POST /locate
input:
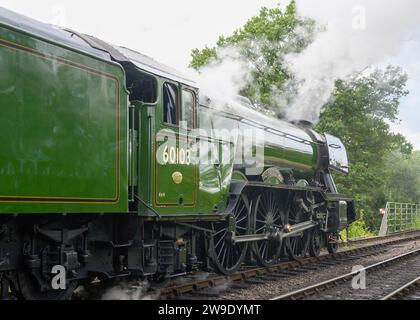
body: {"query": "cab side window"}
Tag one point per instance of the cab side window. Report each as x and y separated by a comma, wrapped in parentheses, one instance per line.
(170, 104)
(188, 109)
(142, 87)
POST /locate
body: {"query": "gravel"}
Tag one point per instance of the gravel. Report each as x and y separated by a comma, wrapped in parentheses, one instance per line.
(269, 289)
(379, 283)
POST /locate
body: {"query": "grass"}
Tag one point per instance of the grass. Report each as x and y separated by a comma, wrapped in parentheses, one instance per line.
(357, 230)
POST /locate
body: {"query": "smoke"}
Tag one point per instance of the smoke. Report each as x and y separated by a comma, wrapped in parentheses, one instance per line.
(133, 290)
(358, 34)
(351, 36)
(217, 290)
(223, 78)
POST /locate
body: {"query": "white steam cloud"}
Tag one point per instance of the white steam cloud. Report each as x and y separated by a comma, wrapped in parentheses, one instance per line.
(223, 79)
(359, 34)
(132, 290)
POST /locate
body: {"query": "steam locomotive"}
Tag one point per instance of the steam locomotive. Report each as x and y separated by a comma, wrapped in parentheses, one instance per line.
(114, 166)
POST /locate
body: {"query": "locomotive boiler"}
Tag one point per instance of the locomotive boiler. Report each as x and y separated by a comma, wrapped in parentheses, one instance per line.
(114, 166)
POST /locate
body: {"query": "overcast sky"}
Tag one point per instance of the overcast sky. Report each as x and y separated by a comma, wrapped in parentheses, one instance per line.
(167, 30)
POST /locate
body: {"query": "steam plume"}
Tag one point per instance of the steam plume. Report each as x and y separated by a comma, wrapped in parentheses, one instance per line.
(357, 34)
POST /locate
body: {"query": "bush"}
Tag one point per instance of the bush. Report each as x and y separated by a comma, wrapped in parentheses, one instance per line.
(357, 229)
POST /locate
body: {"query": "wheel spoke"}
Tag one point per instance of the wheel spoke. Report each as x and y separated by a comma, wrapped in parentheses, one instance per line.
(264, 208)
(267, 214)
(240, 220)
(220, 240)
(222, 249)
(262, 212)
(264, 249)
(227, 256)
(218, 232)
(259, 229)
(272, 202)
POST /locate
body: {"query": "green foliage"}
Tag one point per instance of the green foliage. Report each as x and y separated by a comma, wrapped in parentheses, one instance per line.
(358, 229)
(201, 57)
(262, 43)
(403, 172)
(359, 113)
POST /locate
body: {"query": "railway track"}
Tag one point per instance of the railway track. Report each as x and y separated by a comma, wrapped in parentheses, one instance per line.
(384, 280)
(212, 286)
(409, 291)
(379, 238)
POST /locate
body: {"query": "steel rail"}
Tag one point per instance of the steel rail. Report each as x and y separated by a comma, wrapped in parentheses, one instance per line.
(378, 238)
(318, 287)
(401, 291)
(196, 286)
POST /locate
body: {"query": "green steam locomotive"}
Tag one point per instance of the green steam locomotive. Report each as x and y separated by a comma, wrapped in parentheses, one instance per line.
(113, 166)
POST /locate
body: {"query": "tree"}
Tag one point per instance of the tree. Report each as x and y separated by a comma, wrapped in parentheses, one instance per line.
(358, 113)
(262, 43)
(403, 178)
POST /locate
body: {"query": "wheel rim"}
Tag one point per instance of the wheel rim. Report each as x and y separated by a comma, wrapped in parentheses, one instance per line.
(28, 288)
(332, 247)
(297, 246)
(315, 246)
(268, 217)
(227, 256)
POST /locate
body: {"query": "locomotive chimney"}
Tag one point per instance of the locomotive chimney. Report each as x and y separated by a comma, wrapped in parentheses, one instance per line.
(303, 123)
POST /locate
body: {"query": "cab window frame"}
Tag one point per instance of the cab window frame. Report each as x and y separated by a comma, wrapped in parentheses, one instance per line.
(194, 107)
(178, 103)
(132, 74)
